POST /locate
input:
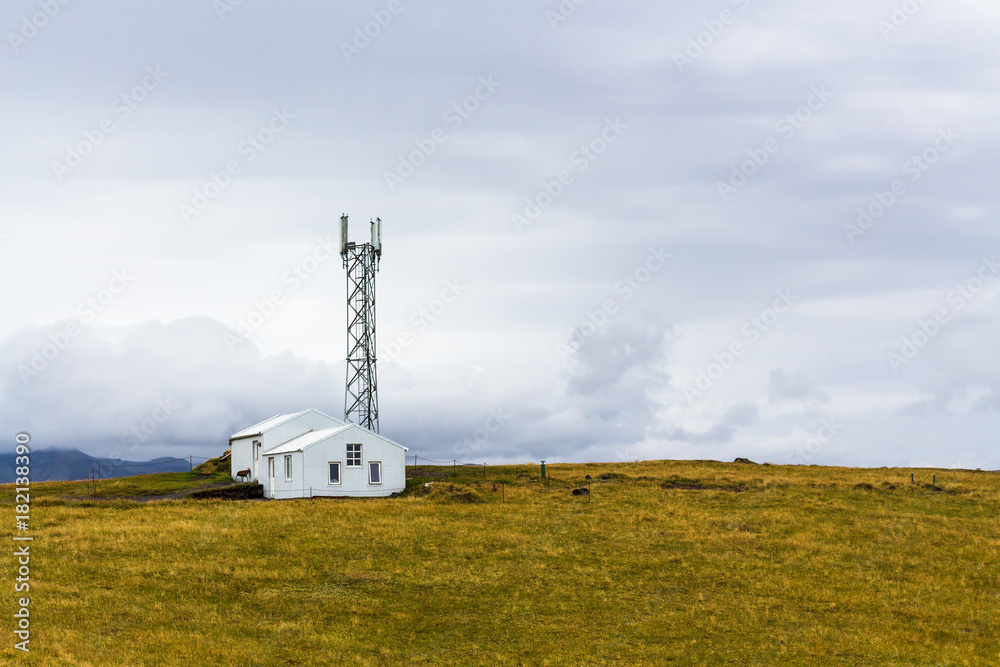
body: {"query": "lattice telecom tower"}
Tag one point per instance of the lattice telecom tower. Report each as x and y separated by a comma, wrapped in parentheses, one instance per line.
(361, 261)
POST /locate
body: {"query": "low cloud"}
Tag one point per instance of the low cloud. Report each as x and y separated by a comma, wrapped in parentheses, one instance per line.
(724, 430)
(158, 389)
(177, 384)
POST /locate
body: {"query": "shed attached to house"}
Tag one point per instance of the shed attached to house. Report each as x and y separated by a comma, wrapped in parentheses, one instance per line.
(344, 460)
(248, 445)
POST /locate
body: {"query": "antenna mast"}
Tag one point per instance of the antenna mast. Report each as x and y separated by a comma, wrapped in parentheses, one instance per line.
(361, 262)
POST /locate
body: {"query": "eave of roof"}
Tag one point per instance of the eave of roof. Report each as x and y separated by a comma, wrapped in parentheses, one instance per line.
(258, 430)
(311, 438)
(306, 440)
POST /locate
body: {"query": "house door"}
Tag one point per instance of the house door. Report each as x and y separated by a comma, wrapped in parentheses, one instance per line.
(270, 475)
(256, 455)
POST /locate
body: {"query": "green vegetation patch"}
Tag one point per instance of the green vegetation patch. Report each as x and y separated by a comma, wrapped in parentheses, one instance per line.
(215, 468)
(241, 491)
(453, 493)
(692, 484)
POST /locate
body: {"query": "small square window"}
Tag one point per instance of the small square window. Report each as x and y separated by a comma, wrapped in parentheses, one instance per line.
(375, 472)
(288, 468)
(335, 472)
(354, 456)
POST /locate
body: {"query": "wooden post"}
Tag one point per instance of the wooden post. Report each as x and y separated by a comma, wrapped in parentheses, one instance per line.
(190, 463)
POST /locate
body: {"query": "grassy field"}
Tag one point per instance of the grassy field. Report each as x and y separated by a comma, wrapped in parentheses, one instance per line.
(686, 563)
(210, 473)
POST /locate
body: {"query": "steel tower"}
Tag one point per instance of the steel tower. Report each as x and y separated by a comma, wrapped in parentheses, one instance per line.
(361, 262)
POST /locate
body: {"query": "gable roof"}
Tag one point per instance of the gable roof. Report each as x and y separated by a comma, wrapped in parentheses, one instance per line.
(314, 437)
(306, 440)
(277, 420)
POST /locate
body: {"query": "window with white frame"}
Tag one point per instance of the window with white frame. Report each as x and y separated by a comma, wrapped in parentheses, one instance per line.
(288, 467)
(354, 456)
(334, 472)
(375, 472)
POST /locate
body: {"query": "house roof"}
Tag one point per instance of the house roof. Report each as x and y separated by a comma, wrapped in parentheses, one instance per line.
(313, 437)
(268, 424)
(307, 440)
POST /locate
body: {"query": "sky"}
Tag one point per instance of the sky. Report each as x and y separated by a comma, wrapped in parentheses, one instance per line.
(612, 231)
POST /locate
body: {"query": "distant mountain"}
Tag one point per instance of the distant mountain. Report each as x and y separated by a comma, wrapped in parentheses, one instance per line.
(51, 465)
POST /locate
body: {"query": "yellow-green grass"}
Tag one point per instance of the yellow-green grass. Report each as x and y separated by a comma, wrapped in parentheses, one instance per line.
(137, 486)
(686, 563)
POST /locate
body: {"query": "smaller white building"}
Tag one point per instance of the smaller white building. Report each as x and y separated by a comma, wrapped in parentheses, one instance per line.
(309, 454)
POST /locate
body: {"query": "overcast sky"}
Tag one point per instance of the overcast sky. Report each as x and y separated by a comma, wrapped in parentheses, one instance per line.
(612, 231)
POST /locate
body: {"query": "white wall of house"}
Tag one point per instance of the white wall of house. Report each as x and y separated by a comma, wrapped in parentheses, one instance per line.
(282, 487)
(310, 467)
(242, 457)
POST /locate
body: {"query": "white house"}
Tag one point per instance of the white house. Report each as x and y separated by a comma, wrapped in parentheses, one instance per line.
(309, 453)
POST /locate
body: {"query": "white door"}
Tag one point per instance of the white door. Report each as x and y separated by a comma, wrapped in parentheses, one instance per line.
(256, 455)
(270, 475)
